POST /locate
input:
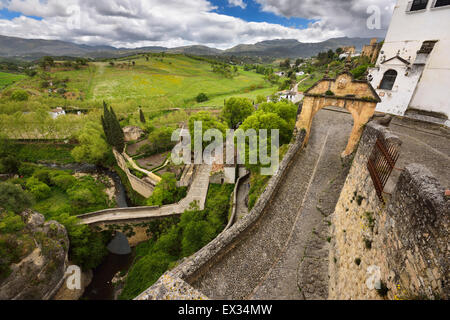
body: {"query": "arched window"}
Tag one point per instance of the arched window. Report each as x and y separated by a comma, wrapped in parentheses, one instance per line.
(388, 80)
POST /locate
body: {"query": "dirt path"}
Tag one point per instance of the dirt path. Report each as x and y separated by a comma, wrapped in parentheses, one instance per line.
(285, 254)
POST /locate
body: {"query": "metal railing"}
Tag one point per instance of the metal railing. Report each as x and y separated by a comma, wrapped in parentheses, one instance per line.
(382, 163)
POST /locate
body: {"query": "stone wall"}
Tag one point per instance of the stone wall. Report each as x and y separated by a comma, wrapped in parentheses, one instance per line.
(400, 246)
(140, 186)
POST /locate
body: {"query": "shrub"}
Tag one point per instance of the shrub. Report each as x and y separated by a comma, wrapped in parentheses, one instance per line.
(63, 181)
(14, 198)
(38, 189)
(202, 98)
(19, 95)
(9, 165)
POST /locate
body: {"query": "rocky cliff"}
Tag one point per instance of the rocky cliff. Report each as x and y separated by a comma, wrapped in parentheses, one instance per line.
(39, 254)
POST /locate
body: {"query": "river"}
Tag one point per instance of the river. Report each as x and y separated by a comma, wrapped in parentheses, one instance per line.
(101, 286)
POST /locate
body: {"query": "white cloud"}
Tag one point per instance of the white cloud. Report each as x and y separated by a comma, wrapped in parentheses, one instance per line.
(349, 16)
(237, 3)
(170, 23)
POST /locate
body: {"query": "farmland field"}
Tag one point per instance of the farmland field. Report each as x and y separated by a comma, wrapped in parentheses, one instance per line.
(7, 79)
(173, 81)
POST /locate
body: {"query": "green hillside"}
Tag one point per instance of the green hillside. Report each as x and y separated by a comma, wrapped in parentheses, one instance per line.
(172, 81)
(7, 79)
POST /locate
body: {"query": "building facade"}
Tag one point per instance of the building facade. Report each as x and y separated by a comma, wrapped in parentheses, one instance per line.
(412, 73)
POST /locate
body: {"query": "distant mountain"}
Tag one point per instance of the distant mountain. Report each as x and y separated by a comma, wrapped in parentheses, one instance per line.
(31, 49)
(293, 49)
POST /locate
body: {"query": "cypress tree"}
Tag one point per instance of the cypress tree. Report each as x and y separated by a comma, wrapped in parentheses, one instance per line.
(113, 131)
(107, 124)
(118, 137)
(141, 115)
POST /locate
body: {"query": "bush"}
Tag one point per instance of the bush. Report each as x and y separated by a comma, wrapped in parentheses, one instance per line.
(9, 165)
(38, 189)
(63, 181)
(14, 198)
(19, 95)
(202, 98)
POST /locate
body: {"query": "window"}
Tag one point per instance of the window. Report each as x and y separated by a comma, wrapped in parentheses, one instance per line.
(441, 3)
(427, 47)
(388, 80)
(417, 5)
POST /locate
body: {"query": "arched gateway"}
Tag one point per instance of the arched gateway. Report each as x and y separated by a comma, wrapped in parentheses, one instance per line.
(357, 96)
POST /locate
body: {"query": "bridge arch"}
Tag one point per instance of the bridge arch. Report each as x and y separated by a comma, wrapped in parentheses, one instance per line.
(356, 96)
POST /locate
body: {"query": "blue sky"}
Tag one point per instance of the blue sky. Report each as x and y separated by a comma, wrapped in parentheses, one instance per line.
(253, 13)
(9, 15)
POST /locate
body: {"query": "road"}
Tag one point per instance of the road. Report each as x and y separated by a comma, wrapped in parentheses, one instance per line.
(285, 254)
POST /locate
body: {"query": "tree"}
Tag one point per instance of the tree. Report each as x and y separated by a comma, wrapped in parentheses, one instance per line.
(208, 122)
(236, 110)
(359, 71)
(166, 192)
(284, 109)
(14, 198)
(141, 115)
(47, 62)
(201, 98)
(19, 95)
(112, 129)
(93, 147)
(260, 99)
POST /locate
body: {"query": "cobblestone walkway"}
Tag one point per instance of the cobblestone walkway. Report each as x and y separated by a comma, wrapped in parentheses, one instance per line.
(285, 254)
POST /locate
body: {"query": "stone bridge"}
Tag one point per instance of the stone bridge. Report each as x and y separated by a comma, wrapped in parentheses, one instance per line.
(280, 249)
(196, 193)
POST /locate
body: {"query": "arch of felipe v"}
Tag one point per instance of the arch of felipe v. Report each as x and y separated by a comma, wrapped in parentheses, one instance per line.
(356, 96)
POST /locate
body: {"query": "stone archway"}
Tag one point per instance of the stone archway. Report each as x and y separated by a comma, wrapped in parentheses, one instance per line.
(356, 96)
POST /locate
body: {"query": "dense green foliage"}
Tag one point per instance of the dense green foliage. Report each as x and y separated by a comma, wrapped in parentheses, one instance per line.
(208, 121)
(160, 140)
(93, 147)
(175, 241)
(19, 95)
(236, 110)
(13, 198)
(166, 191)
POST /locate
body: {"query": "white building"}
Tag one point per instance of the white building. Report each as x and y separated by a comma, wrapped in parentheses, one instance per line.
(55, 113)
(412, 73)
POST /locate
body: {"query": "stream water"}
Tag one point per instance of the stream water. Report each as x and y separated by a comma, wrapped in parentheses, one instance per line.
(101, 287)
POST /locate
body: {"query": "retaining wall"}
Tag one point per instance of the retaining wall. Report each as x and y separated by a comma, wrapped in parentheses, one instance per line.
(140, 186)
(401, 245)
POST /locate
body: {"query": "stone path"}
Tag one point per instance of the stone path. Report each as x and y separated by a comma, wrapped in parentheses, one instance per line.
(197, 193)
(285, 254)
(424, 143)
(242, 193)
(153, 177)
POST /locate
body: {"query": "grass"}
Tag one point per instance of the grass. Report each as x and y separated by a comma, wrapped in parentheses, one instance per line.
(157, 85)
(49, 153)
(174, 82)
(7, 79)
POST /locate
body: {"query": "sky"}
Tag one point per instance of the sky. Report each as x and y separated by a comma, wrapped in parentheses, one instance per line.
(170, 23)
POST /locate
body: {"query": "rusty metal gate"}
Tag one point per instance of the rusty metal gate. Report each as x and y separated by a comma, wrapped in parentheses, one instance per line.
(382, 163)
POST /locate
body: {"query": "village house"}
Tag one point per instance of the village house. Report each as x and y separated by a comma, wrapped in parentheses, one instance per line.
(57, 112)
(412, 74)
